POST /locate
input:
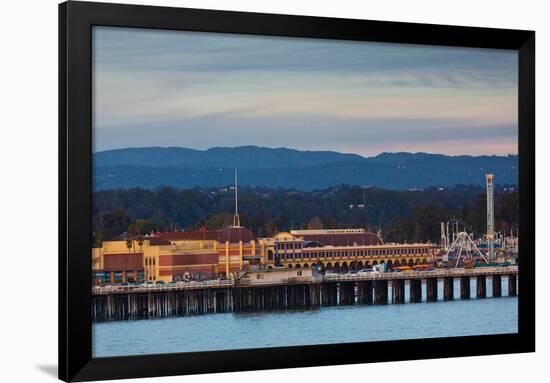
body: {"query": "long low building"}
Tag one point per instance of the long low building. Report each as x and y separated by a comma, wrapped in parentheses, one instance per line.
(342, 250)
(173, 256)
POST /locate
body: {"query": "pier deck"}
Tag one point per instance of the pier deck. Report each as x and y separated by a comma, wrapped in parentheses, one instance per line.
(215, 284)
(191, 298)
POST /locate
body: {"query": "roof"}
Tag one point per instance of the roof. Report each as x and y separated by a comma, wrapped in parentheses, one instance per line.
(312, 244)
(231, 234)
(154, 241)
(347, 239)
(235, 234)
(188, 235)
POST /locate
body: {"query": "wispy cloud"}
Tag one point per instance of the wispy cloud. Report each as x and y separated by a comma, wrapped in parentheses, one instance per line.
(183, 85)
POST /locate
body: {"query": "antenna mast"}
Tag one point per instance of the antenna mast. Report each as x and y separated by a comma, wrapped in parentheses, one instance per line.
(236, 219)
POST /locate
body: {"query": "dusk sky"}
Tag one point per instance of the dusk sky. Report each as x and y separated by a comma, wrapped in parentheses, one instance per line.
(201, 90)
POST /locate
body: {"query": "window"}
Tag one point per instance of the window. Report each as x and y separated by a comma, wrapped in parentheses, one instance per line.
(299, 273)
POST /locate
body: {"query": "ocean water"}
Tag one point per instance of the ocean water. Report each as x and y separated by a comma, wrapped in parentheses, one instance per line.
(306, 327)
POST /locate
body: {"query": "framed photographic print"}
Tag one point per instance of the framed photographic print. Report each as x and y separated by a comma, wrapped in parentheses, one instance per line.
(325, 191)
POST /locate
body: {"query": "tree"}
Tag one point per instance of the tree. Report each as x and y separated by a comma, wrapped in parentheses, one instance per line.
(315, 223)
(271, 227)
(391, 210)
(507, 212)
(331, 223)
(219, 221)
(110, 225)
(129, 244)
(141, 227)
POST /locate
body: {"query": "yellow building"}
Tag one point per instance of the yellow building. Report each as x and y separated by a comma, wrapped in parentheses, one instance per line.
(174, 256)
(342, 250)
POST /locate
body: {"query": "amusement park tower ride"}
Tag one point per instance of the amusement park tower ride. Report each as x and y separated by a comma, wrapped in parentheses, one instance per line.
(490, 216)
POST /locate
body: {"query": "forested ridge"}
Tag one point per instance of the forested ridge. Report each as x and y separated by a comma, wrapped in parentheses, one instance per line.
(150, 168)
(401, 216)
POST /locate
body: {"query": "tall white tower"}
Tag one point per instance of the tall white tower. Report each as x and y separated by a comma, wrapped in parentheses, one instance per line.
(444, 243)
(490, 215)
(236, 219)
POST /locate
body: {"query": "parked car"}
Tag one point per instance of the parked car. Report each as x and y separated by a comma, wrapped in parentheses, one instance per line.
(364, 271)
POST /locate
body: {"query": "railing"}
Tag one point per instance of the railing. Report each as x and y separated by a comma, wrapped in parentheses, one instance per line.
(285, 281)
(149, 288)
(370, 276)
(422, 274)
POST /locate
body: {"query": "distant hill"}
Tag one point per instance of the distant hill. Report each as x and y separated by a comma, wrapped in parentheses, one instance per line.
(245, 157)
(289, 168)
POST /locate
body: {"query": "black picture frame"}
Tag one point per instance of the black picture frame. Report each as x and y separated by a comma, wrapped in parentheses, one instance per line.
(75, 117)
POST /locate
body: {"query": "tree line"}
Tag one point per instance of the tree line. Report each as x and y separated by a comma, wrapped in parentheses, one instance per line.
(401, 216)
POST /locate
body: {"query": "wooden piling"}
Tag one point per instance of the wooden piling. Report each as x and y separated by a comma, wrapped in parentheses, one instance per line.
(381, 292)
(431, 289)
(364, 293)
(481, 287)
(448, 288)
(314, 294)
(346, 293)
(464, 287)
(497, 286)
(512, 286)
(415, 290)
(329, 294)
(398, 291)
